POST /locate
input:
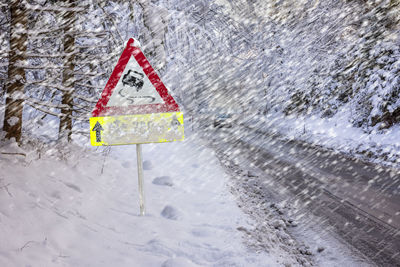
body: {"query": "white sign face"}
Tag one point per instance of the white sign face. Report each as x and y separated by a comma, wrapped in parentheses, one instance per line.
(134, 88)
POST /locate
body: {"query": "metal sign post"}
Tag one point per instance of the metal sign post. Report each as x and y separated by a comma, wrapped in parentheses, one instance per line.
(140, 178)
(135, 107)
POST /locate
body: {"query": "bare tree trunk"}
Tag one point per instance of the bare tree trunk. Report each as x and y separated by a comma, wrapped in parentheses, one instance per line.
(65, 130)
(16, 73)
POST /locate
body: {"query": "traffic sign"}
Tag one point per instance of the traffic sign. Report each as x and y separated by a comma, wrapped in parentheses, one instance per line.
(135, 107)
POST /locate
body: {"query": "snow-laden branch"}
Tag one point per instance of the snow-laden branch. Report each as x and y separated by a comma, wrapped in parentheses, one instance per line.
(58, 55)
(37, 32)
(65, 89)
(88, 86)
(84, 118)
(44, 110)
(92, 34)
(47, 67)
(90, 100)
(112, 21)
(44, 104)
(91, 46)
(57, 8)
(91, 73)
(52, 85)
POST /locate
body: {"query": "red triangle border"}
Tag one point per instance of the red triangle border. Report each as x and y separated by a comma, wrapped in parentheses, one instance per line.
(101, 109)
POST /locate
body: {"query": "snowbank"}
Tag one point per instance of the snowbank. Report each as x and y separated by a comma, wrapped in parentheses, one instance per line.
(84, 211)
(337, 133)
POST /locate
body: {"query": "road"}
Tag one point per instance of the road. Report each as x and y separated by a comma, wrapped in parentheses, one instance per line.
(360, 201)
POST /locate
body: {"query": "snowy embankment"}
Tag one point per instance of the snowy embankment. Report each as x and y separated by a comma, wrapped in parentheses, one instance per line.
(336, 133)
(80, 208)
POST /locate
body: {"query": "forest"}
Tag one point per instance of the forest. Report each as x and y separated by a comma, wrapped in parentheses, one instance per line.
(307, 58)
(282, 149)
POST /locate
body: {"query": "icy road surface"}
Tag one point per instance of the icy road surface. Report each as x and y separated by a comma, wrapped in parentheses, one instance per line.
(357, 200)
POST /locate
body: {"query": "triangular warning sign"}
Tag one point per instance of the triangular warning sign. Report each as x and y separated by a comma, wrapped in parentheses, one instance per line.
(135, 106)
(134, 88)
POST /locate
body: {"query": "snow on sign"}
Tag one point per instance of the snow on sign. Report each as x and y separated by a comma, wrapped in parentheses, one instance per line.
(135, 107)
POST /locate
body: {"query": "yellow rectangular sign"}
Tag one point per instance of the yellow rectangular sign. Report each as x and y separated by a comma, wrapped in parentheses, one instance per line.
(136, 129)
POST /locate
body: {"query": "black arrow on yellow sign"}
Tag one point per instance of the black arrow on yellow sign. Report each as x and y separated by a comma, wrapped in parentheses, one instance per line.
(98, 128)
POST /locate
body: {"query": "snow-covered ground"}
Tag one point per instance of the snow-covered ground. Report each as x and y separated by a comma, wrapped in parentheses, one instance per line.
(79, 207)
(337, 133)
(68, 212)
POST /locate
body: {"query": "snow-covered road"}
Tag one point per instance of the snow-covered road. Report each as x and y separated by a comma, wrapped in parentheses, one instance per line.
(357, 200)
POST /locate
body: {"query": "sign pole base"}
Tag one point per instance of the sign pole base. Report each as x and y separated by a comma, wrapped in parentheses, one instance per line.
(140, 178)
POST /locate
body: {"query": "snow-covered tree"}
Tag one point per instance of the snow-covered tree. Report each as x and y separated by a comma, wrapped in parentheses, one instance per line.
(16, 74)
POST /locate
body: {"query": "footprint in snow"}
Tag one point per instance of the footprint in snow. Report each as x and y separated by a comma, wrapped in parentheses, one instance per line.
(73, 186)
(178, 262)
(126, 164)
(56, 195)
(147, 165)
(170, 213)
(200, 233)
(163, 180)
